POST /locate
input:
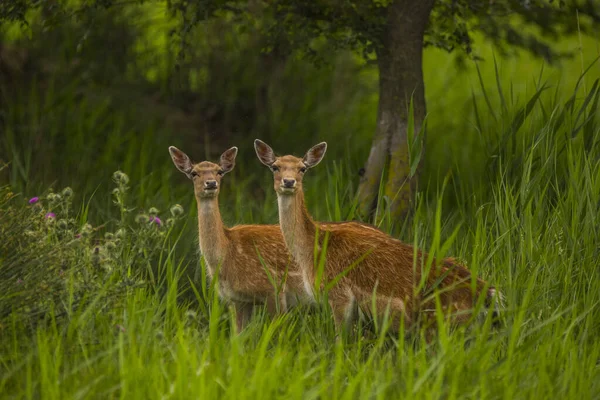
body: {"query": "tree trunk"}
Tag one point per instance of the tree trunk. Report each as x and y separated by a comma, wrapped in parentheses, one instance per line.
(400, 78)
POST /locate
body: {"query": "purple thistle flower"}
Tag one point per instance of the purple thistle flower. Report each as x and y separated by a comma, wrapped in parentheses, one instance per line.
(156, 220)
(50, 215)
(77, 236)
(34, 200)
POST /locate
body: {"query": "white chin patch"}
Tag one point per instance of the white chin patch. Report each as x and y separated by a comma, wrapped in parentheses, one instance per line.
(209, 193)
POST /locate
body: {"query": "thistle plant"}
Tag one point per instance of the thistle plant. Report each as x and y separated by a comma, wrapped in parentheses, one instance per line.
(53, 261)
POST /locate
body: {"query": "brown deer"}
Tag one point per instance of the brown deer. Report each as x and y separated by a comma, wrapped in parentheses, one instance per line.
(378, 274)
(241, 255)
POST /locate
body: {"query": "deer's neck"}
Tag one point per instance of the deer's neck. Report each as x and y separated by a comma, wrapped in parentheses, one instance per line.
(212, 238)
(298, 230)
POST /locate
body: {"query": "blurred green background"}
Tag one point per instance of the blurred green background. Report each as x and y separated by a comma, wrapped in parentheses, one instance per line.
(97, 94)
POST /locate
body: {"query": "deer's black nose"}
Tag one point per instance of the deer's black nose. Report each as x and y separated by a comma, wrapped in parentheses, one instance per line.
(210, 184)
(289, 183)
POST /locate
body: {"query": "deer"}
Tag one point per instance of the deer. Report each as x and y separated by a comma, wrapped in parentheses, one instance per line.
(365, 269)
(251, 262)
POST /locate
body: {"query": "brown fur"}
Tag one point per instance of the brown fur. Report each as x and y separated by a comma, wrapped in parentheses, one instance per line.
(387, 273)
(235, 253)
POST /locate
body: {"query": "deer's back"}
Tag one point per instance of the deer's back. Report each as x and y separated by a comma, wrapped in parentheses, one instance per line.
(392, 267)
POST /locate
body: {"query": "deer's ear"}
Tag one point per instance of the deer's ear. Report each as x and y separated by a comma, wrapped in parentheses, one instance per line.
(264, 152)
(227, 160)
(181, 160)
(315, 155)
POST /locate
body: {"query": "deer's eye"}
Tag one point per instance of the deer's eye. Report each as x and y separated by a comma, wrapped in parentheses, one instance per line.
(193, 174)
(274, 168)
(220, 172)
(303, 169)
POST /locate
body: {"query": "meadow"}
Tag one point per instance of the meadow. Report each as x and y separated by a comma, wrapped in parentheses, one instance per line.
(103, 293)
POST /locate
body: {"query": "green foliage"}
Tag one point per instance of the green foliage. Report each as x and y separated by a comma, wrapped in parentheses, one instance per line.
(316, 28)
(54, 263)
(511, 24)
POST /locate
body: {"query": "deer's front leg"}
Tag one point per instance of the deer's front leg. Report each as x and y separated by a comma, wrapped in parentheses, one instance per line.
(276, 303)
(243, 312)
(343, 308)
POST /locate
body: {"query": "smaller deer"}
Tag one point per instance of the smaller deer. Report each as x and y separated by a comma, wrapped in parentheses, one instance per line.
(240, 254)
(379, 274)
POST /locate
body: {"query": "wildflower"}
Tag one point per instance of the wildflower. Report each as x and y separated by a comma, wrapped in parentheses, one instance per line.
(19, 281)
(120, 327)
(120, 178)
(156, 220)
(54, 199)
(67, 192)
(62, 224)
(34, 200)
(50, 215)
(78, 236)
(153, 211)
(176, 210)
(86, 230)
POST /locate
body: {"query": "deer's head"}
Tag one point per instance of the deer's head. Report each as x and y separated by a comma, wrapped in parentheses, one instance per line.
(288, 171)
(205, 175)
